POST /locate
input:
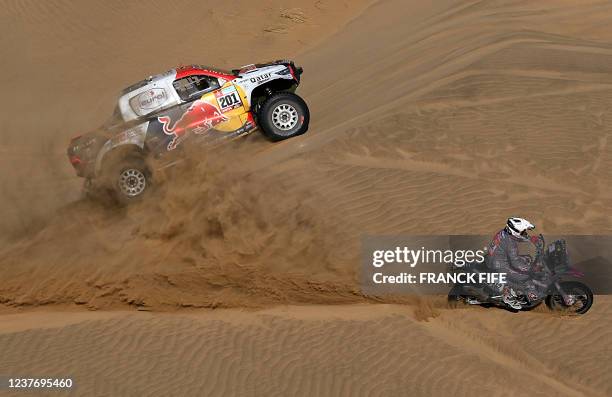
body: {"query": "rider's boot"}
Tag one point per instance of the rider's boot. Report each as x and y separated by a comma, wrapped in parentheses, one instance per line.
(510, 299)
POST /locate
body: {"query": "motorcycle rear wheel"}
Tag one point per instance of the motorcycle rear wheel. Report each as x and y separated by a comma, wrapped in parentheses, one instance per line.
(456, 297)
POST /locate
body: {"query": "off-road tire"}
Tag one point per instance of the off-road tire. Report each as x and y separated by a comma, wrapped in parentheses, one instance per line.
(283, 115)
(456, 297)
(128, 180)
(554, 302)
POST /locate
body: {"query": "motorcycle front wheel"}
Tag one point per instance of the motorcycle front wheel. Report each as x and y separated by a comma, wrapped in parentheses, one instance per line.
(581, 298)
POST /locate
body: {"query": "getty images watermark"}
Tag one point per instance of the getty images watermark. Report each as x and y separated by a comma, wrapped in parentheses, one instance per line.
(455, 260)
(434, 264)
(421, 264)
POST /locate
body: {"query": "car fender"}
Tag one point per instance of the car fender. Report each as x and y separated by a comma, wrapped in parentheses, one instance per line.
(257, 77)
(132, 136)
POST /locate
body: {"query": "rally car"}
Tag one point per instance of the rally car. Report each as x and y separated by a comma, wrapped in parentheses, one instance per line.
(156, 116)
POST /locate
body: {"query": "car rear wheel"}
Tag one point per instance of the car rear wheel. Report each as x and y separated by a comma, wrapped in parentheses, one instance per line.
(132, 182)
(129, 180)
(283, 115)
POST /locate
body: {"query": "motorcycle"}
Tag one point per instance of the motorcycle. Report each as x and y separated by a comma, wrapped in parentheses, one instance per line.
(556, 280)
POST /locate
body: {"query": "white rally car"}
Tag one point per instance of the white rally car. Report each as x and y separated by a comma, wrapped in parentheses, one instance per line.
(187, 104)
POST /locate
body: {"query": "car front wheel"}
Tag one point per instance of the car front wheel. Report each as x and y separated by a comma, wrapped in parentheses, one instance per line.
(283, 115)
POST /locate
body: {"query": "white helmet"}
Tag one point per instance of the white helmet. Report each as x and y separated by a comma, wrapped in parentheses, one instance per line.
(518, 227)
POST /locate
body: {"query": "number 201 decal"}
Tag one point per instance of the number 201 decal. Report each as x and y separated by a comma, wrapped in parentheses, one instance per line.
(228, 100)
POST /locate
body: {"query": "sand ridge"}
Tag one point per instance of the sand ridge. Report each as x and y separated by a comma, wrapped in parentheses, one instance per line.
(305, 350)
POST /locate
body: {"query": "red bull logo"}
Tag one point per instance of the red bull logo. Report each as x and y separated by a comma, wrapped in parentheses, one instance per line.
(201, 117)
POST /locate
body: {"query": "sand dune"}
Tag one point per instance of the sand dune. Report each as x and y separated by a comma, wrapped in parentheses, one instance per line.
(315, 350)
(469, 115)
(458, 120)
(427, 119)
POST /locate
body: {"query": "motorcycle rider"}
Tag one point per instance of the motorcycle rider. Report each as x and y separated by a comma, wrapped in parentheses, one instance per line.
(503, 257)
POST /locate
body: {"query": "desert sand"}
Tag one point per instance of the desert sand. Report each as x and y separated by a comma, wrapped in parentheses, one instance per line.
(354, 350)
(240, 275)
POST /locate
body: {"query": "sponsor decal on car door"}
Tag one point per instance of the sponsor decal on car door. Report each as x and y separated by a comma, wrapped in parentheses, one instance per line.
(200, 117)
(219, 112)
(228, 98)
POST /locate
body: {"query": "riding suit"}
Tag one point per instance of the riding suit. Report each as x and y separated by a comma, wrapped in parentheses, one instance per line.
(503, 257)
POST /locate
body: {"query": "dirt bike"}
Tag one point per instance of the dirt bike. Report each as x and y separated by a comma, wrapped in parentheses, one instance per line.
(556, 279)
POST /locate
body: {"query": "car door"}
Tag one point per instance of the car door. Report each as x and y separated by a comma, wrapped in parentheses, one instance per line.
(208, 111)
(229, 104)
